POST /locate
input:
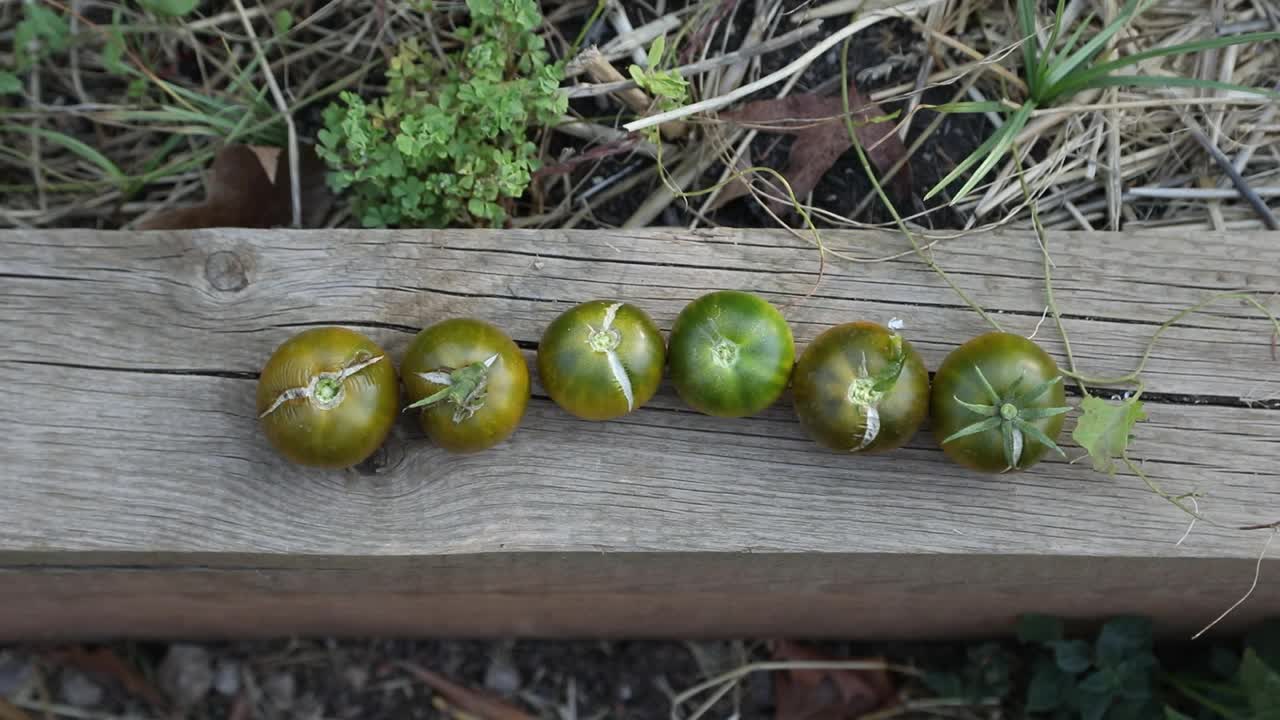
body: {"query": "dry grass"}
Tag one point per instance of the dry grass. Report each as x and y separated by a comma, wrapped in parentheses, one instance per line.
(1120, 158)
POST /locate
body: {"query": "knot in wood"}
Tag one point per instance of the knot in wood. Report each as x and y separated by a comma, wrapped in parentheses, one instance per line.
(225, 271)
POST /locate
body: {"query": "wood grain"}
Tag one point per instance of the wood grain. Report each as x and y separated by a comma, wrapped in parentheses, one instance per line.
(130, 439)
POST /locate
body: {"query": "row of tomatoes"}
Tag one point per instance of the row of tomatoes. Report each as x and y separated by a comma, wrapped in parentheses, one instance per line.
(329, 396)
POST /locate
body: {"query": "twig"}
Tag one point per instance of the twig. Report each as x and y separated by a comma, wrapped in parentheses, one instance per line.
(295, 175)
(1257, 572)
(597, 133)
(622, 23)
(697, 68)
(1199, 193)
(1237, 179)
(794, 67)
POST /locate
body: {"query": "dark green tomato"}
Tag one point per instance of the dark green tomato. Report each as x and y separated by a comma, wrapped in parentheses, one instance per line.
(328, 397)
(601, 359)
(475, 378)
(730, 354)
(859, 387)
(1006, 392)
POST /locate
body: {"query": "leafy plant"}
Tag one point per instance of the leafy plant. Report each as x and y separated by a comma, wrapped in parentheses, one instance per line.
(1113, 679)
(40, 32)
(1058, 69)
(668, 86)
(448, 144)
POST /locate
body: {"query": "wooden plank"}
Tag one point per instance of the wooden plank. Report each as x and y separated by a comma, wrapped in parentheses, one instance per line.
(129, 433)
(858, 595)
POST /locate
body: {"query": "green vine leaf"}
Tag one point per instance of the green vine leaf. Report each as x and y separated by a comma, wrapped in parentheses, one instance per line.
(1104, 429)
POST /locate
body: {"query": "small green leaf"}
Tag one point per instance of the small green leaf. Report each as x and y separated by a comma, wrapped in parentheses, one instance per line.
(1172, 714)
(172, 8)
(655, 52)
(1072, 656)
(1099, 682)
(9, 83)
(1121, 638)
(283, 20)
(1048, 687)
(1093, 705)
(1036, 628)
(1104, 429)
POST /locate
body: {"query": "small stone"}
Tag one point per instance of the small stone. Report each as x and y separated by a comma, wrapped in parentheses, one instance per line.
(77, 689)
(357, 677)
(502, 676)
(226, 678)
(15, 671)
(280, 689)
(186, 674)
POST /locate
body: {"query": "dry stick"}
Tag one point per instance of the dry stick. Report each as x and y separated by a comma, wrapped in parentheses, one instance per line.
(601, 70)
(295, 191)
(702, 66)
(732, 78)
(604, 134)
(796, 66)
(1237, 179)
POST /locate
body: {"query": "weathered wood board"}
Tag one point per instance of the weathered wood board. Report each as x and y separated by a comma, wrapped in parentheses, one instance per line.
(137, 495)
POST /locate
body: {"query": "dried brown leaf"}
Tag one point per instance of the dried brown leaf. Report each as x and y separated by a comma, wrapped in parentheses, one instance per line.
(827, 694)
(105, 663)
(821, 137)
(250, 186)
(474, 702)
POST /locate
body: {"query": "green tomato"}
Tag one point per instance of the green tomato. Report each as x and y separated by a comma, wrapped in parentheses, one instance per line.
(601, 359)
(730, 354)
(328, 397)
(998, 403)
(470, 381)
(860, 387)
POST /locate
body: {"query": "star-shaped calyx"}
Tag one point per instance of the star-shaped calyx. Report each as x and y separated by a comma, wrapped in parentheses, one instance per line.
(1011, 414)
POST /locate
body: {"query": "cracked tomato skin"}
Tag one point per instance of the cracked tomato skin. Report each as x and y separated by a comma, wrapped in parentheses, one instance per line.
(832, 363)
(601, 359)
(343, 435)
(452, 344)
(1003, 359)
(730, 354)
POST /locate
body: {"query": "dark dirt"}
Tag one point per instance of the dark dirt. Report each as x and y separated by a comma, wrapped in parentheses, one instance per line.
(360, 679)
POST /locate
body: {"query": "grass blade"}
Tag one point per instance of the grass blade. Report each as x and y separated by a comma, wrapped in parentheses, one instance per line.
(972, 107)
(1006, 135)
(1068, 65)
(1159, 82)
(76, 147)
(1030, 42)
(1087, 78)
(983, 149)
(1072, 41)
